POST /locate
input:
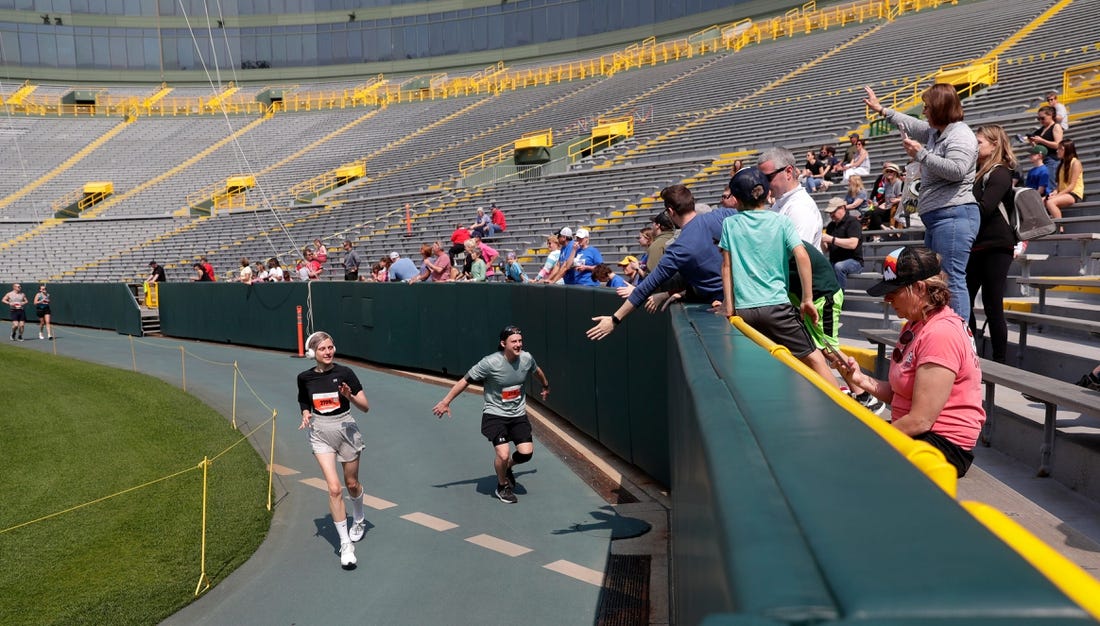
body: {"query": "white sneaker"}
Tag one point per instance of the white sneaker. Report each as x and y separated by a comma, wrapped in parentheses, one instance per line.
(347, 554)
(357, 529)
(40, 336)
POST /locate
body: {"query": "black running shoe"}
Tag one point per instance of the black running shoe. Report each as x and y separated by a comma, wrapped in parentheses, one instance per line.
(504, 493)
(511, 477)
(1088, 382)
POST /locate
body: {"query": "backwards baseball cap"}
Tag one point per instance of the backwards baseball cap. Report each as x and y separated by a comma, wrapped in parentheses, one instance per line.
(394, 256)
(627, 260)
(1038, 150)
(582, 233)
(902, 268)
(749, 185)
(566, 231)
(891, 167)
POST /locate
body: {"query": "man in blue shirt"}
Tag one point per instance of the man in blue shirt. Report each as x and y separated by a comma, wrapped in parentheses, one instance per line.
(694, 255)
(401, 269)
(586, 259)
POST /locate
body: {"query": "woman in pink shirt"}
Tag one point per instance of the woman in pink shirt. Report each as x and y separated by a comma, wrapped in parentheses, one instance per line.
(935, 385)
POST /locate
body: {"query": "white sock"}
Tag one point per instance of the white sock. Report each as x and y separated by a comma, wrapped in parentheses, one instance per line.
(357, 506)
(342, 530)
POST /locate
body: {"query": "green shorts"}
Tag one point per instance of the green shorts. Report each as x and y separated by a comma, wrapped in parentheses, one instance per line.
(827, 328)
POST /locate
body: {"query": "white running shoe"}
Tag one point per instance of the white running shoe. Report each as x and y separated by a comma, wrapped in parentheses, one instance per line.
(40, 336)
(347, 554)
(357, 529)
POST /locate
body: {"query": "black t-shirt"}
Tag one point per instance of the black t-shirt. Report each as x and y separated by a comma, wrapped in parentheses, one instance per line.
(159, 272)
(319, 393)
(816, 168)
(845, 228)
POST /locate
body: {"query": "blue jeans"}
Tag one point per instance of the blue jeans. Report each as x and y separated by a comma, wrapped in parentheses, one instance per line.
(950, 231)
(845, 267)
(812, 183)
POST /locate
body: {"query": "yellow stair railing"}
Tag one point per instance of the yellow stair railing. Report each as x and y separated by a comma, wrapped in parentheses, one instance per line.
(1080, 82)
(21, 94)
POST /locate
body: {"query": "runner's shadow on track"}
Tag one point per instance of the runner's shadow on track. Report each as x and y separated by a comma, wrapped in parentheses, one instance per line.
(608, 523)
(486, 485)
(327, 531)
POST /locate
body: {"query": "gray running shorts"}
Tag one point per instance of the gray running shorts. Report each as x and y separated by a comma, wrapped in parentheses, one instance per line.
(338, 434)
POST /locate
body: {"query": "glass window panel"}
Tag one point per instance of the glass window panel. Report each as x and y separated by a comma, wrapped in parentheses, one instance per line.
(355, 45)
(151, 53)
(66, 50)
(135, 58)
(28, 46)
(118, 50)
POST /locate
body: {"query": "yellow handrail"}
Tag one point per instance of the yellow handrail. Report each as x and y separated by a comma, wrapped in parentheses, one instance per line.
(1080, 82)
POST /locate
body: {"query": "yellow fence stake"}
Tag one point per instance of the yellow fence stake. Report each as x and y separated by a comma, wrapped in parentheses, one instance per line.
(235, 370)
(204, 582)
(271, 458)
(133, 355)
(183, 366)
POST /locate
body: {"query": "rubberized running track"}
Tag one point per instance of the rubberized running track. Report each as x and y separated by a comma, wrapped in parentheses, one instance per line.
(439, 549)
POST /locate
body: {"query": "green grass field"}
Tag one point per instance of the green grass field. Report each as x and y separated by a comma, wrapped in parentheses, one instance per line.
(75, 432)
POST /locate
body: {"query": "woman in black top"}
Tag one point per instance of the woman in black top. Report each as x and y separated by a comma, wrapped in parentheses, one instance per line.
(991, 254)
(326, 392)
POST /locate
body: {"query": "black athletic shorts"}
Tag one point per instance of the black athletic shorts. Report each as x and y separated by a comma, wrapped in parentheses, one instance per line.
(42, 310)
(500, 430)
(955, 455)
(18, 315)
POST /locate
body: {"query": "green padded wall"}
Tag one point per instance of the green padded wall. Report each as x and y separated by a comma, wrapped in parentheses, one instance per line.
(114, 306)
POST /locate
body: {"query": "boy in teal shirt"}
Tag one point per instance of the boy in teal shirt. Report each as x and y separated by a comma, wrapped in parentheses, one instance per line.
(756, 245)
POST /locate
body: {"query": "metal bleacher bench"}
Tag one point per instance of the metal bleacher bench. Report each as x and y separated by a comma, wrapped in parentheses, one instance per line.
(1025, 319)
(1053, 393)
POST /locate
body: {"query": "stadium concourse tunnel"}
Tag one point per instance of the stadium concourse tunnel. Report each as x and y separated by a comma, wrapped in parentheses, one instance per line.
(786, 509)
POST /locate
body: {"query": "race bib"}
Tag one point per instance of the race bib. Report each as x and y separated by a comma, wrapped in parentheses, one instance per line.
(511, 393)
(326, 402)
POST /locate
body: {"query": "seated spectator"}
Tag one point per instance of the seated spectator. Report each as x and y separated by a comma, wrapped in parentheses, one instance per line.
(855, 200)
(1038, 177)
(424, 271)
(301, 270)
(379, 272)
(834, 168)
(602, 276)
(458, 238)
(439, 264)
(513, 271)
(208, 268)
(586, 259)
(320, 252)
(813, 173)
(756, 244)
(633, 270)
(245, 275)
(275, 271)
(401, 269)
(315, 267)
(860, 161)
(259, 273)
(1048, 135)
(551, 259)
(885, 197)
(663, 232)
(1061, 114)
(1070, 187)
(478, 269)
(736, 167)
(200, 274)
(482, 226)
(496, 218)
(935, 355)
(843, 240)
(487, 254)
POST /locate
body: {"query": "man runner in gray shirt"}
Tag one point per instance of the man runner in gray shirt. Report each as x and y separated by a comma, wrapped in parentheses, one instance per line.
(504, 418)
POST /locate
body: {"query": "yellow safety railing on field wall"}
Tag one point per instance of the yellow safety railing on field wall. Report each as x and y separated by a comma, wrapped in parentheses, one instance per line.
(1070, 578)
(495, 78)
(492, 156)
(308, 189)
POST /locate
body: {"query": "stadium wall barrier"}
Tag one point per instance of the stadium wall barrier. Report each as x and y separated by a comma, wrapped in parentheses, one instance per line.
(114, 306)
(787, 508)
(446, 328)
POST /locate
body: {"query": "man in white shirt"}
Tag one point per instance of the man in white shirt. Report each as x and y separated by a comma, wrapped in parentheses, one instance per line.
(791, 198)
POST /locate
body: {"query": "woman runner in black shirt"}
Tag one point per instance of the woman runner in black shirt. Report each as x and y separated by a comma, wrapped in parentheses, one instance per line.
(326, 392)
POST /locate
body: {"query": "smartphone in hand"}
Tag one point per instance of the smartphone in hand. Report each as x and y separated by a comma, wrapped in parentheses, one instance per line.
(835, 358)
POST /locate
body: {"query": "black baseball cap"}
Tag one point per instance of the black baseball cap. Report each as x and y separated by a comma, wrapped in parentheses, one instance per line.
(903, 267)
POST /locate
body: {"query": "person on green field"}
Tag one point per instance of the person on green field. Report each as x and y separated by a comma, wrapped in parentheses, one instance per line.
(504, 418)
(326, 393)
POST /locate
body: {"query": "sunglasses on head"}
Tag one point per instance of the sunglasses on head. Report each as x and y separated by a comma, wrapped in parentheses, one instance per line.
(903, 343)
